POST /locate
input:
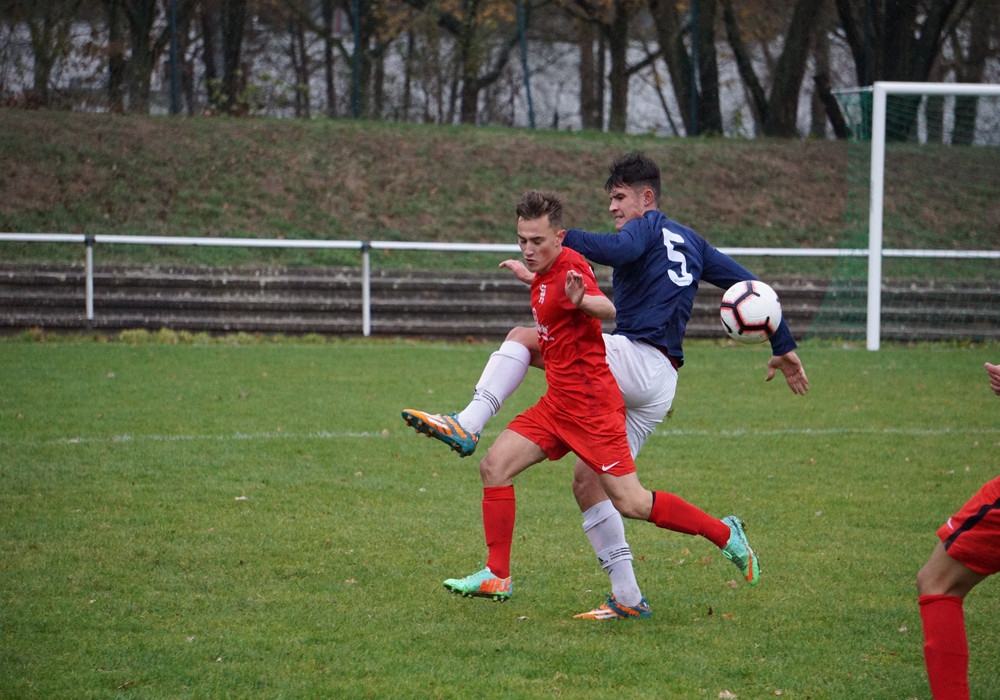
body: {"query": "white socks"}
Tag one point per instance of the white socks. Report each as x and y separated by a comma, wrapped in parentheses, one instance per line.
(606, 531)
(504, 372)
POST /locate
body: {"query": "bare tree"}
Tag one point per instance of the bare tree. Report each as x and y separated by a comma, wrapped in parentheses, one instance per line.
(982, 30)
(591, 73)
(49, 25)
(893, 40)
(777, 113)
(693, 66)
(591, 21)
(485, 35)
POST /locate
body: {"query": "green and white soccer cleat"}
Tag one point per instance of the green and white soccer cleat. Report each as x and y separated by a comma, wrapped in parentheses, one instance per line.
(444, 427)
(613, 610)
(482, 584)
(738, 550)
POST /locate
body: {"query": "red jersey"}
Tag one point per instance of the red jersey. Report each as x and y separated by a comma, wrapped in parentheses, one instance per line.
(572, 346)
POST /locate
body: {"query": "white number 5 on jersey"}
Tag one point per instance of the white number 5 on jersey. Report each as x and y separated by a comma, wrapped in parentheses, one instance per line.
(685, 278)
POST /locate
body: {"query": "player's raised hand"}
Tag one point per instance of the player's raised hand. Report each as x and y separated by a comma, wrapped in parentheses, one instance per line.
(790, 365)
(519, 270)
(575, 287)
(994, 372)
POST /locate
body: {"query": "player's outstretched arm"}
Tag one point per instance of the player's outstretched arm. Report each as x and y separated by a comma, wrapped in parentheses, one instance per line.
(790, 365)
(519, 270)
(994, 372)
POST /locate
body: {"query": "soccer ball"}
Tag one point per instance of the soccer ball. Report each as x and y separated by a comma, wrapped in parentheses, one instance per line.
(750, 311)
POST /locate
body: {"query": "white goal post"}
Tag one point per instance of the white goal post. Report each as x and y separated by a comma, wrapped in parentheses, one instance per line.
(880, 93)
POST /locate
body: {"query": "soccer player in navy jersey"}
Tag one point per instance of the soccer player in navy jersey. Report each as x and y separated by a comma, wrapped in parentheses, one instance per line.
(658, 264)
(969, 551)
(582, 411)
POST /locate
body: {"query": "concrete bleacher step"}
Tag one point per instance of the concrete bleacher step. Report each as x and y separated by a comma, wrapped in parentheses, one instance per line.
(433, 304)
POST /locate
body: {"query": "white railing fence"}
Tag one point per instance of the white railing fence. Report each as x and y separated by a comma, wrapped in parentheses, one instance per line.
(365, 248)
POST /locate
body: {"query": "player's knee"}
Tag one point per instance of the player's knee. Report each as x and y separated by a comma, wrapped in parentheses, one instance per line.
(522, 335)
(932, 580)
(495, 471)
(488, 470)
(629, 507)
(923, 581)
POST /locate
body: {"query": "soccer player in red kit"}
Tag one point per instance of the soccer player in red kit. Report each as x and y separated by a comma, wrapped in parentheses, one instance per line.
(968, 552)
(582, 411)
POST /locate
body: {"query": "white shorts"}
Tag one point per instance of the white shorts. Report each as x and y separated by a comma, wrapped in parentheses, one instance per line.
(648, 383)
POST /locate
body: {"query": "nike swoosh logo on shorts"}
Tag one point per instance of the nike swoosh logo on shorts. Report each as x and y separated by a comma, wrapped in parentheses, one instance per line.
(610, 466)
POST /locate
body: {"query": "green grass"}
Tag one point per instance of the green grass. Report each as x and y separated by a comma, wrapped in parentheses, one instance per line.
(250, 517)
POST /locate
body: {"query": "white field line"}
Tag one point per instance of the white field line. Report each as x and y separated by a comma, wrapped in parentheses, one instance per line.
(384, 434)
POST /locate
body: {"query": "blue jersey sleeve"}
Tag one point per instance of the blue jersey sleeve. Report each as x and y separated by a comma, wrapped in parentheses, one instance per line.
(611, 249)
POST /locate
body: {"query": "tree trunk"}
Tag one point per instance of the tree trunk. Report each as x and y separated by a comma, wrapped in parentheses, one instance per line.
(818, 111)
(141, 15)
(670, 36)
(709, 109)
(40, 31)
(328, 62)
(831, 107)
(590, 106)
(744, 65)
(234, 15)
(209, 52)
(787, 82)
(299, 56)
(618, 38)
(117, 65)
(470, 63)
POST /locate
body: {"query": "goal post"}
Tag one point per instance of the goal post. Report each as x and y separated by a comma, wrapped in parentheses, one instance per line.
(880, 94)
(933, 197)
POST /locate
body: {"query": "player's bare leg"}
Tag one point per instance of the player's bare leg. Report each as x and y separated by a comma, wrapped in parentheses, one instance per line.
(671, 512)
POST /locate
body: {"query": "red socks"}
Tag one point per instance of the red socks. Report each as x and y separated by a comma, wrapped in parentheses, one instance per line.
(498, 524)
(674, 513)
(946, 649)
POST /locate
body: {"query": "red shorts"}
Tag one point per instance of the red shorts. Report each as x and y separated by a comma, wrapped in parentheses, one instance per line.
(600, 441)
(972, 535)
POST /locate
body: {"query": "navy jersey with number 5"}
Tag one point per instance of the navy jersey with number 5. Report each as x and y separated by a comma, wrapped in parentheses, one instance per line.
(658, 264)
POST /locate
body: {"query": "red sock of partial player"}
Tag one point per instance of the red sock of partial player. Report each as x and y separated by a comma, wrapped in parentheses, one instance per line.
(946, 649)
(674, 513)
(498, 524)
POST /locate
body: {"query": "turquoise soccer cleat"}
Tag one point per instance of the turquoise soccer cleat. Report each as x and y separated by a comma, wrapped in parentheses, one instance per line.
(444, 427)
(738, 550)
(613, 610)
(483, 584)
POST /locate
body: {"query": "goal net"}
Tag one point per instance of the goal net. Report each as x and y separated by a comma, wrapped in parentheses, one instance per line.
(924, 200)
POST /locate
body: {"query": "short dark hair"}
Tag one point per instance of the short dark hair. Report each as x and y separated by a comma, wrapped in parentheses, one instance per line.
(535, 204)
(634, 170)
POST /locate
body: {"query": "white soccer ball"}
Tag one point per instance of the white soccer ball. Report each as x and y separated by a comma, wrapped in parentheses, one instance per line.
(750, 311)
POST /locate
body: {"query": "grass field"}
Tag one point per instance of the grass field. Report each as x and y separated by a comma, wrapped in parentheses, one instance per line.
(236, 519)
